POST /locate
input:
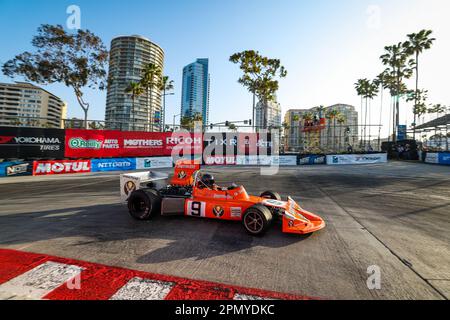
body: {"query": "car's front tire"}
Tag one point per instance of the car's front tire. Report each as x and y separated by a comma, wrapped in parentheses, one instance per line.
(257, 220)
(143, 204)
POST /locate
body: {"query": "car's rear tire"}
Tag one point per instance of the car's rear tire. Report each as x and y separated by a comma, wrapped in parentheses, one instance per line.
(271, 195)
(257, 220)
(143, 204)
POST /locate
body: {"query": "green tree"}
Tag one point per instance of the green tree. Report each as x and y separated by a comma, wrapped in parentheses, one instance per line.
(188, 121)
(260, 76)
(135, 90)
(76, 60)
(341, 119)
(416, 44)
(420, 102)
(307, 118)
(150, 81)
(362, 88)
(166, 86)
(400, 67)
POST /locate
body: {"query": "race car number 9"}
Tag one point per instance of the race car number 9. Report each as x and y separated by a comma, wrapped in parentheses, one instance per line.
(196, 208)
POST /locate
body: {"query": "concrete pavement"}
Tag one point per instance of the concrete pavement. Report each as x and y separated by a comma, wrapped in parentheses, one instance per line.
(394, 216)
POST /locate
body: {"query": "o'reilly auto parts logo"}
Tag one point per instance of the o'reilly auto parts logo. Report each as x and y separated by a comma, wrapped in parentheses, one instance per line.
(80, 143)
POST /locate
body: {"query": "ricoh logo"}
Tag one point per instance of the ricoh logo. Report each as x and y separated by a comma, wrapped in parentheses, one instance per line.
(80, 143)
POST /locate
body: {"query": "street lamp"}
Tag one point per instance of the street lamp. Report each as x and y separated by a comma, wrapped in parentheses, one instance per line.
(164, 107)
(174, 117)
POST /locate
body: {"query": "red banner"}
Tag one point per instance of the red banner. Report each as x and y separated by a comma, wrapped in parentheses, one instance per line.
(109, 144)
(61, 167)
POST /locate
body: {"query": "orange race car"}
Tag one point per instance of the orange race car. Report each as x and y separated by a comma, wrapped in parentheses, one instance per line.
(194, 193)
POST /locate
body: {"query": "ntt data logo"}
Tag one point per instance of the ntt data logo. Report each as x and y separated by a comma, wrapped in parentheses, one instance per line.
(79, 143)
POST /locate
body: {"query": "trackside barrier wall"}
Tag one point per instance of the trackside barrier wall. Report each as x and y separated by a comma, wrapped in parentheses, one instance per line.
(442, 158)
(343, 159)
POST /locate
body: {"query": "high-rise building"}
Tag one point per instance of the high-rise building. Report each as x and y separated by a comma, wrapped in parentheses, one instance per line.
(268, 115)
(195, 94)
(330, 135)
(26, 105)
(128, 57)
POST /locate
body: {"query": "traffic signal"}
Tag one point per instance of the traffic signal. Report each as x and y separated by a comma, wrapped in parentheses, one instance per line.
(211, 126)
(227, 123)
(250, 122)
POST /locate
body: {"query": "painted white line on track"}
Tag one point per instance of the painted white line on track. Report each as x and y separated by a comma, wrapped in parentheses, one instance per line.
(239, 296)
(143, 289)
(38, 282)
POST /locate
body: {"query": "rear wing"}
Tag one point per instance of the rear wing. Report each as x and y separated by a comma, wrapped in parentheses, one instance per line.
(130, 182)
(184, 173)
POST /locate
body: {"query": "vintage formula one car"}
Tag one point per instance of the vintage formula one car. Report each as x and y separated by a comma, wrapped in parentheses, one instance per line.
(194, 193)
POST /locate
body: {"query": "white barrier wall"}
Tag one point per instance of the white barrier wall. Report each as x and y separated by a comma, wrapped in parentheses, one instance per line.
(343, 159)
(266, 160)
(154, 163)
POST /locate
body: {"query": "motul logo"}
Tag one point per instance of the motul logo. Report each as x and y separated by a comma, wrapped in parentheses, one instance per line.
(61, 167)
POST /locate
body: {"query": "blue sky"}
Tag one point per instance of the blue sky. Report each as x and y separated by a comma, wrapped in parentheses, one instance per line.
(326, 45)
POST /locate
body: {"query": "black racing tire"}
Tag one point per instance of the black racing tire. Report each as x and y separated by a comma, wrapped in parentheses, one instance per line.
(257, 220)
(271, 195)
(143, 204)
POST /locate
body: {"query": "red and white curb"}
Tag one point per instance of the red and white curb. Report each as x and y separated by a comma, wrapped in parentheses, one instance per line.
(26, 275)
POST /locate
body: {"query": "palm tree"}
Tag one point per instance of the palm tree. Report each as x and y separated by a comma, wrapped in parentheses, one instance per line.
(417, 43)
(331, 116)
(362, 87)
(151, 79)
(135, 90)
(341, 119)
(371, 93)
(307, 118)
(188, 121)
(382, 82)
(400, 68)
(437, 109)
(166, 85)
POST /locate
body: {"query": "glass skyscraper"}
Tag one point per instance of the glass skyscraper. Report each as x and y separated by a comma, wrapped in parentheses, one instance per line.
(195, 95)
(128, 57)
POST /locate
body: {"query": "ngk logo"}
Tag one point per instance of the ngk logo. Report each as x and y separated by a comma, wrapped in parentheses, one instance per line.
(61, 167)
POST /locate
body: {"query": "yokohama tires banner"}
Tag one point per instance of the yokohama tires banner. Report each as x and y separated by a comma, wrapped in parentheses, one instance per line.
(111, 144)
(61, 167)
(25, 143)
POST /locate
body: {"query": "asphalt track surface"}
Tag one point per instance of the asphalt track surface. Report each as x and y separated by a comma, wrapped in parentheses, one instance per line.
(395, 216)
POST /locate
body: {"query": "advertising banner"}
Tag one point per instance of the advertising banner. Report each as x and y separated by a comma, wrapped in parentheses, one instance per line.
(343, 159)
(253, 160)
(61, 167)
(122, 164)
(311, 159)
(15, 168)
(220, 160)
(25, 143)
(232, 144)
(284, 161)
(111, 144)
(154, 163)
(444, 158)
(432, 158)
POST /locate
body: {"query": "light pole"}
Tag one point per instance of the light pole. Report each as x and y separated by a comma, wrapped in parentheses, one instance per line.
(174, 117)
(163, 116)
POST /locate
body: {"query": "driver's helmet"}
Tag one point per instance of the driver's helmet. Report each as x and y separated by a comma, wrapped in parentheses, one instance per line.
(208, 180)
